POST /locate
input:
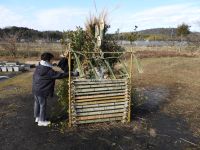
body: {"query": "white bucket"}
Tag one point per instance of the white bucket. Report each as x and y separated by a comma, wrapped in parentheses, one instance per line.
(4, 69)
(16, 68)
(10, 69)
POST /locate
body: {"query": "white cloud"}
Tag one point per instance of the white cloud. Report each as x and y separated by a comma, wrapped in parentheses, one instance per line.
(68, 18)
(61, 18)
(163, 16)
(47, 19)
(9, 18)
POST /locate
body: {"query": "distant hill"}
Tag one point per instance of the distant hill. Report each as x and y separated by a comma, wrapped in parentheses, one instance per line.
(155, 31)
(26, 34)
(30, 35)
(156, 34)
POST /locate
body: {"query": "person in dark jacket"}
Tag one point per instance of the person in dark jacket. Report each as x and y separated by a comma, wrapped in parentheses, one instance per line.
(43, 86)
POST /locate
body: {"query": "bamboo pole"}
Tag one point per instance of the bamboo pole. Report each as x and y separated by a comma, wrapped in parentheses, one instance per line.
(99, 85)
(96, 76)
(106, 101)
(82, 53)
(95, 82)
(94, 109)
(125, 68)
(69, 108)
(100, 96)
(110, 69)
(79, 65)
(100, 116)
(130, 86)
(101, 112)
(100, 89)
(99, 120)
(99, 92)
(100, 105)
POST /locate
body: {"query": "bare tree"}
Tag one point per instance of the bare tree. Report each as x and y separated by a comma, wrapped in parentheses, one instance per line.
(10, 43)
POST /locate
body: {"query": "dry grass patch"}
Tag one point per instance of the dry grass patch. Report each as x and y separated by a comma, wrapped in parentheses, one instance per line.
(20, 84)
(181, 76)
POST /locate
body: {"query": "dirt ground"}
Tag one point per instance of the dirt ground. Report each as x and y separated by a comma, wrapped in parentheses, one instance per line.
(167, 116)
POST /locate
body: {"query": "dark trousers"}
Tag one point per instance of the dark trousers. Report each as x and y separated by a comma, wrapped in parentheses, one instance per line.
(40, 107)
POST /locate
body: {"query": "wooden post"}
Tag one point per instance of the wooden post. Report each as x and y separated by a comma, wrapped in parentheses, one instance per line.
(130, 82)
(131, 67)
(69, 82)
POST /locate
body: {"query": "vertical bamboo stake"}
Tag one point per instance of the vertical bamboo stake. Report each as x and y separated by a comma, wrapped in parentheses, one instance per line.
(96, 76)
(131, 68)
(125, 68)
(109, 68)
(79, 65)
(69, 82)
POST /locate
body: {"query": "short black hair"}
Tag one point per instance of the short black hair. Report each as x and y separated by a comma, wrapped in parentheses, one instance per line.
(46, 56)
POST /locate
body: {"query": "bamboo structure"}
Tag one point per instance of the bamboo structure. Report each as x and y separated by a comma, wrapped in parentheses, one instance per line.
(101, 93)
(99, 100)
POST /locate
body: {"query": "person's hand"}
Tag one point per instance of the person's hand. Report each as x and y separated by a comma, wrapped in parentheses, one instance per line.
(75, 74)
(54, 64)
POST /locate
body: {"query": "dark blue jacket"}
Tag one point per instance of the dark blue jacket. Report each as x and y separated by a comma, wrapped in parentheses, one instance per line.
(44, 80)
(63, 64)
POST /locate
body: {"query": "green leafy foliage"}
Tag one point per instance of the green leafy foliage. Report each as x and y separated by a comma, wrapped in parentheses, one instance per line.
(84, 41)
(183, 30)
(62, 93)
(79, 40)
(60, 109)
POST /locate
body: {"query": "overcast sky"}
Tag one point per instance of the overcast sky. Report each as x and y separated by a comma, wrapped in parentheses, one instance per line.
(123, 14)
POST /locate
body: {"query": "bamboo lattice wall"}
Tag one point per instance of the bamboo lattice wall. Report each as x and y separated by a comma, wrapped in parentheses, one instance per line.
(99, 100)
